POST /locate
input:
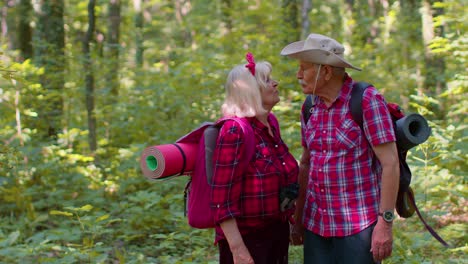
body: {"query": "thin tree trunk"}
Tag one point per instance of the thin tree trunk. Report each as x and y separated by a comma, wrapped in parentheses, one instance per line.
(18, 116)
(374, 28)
(112, 73)
(290, 16)
(113, 46)
(4, 23)
(137, 4)
(410, 21)
(435, 65)
(348, 15)
(50, 54)
(226, 17)
(226, 10)
(9, 27)
(180, 13)
(24, 29)
(306, 7)
(434, 82)
(388, 20)
(89, 78)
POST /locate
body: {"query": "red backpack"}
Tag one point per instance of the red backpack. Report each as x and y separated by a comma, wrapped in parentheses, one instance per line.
(197, 193)
(192, 155)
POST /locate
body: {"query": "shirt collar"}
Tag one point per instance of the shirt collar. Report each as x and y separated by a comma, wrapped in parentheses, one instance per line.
(345, 89)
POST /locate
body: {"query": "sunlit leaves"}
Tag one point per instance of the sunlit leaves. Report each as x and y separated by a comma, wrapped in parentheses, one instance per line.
(56, 212)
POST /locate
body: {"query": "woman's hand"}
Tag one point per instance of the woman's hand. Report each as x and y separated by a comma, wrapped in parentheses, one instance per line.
(241, 255)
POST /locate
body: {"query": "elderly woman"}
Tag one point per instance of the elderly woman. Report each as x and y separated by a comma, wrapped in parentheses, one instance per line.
(251, 210)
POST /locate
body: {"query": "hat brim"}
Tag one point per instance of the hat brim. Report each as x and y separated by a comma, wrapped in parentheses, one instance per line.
(295, 50)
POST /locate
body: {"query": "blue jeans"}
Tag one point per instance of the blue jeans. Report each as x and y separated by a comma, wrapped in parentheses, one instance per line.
(354, 249)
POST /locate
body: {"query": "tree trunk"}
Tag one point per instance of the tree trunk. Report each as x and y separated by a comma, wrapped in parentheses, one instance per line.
(8, 24)
(374, 27)
(89, 77)
(112, 75)
(180, 13)
(113, 48)
(434, 82)
(306, 7)
(290, 15)
(410, 42)
(226, 17)
(137, 4)
(4, 24)
(348, 15)
(24, 29)
(49, 53)
(226, 10)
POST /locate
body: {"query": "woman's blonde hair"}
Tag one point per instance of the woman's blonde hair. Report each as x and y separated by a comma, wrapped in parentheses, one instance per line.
(243, 90)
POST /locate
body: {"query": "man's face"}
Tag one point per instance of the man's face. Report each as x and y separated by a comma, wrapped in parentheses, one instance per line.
(307, 75)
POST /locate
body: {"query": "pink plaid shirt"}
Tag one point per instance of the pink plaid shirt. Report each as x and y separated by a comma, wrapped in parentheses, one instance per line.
(343, 191)
(251, 197)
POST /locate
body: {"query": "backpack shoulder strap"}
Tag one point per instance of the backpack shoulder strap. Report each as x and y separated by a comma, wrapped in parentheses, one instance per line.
(355, 103)
(307, 107)
(249, 137)
(211, 136)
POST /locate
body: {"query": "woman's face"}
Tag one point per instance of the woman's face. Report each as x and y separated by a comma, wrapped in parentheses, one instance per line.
(270, 94)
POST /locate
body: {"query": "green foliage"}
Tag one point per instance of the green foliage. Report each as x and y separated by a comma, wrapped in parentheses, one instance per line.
(61, 203)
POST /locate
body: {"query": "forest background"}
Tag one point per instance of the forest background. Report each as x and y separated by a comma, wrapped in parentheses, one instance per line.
(87, 85)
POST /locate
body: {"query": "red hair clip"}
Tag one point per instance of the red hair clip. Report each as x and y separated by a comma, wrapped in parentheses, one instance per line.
(251, 63)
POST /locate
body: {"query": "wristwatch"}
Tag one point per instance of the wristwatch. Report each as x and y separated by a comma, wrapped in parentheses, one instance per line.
(388, 216)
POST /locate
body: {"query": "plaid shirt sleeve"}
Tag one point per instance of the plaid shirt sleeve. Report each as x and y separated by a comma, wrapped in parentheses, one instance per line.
(227, 176)
(378, 125)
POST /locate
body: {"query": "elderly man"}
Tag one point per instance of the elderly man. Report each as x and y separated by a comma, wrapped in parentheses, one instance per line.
(348, 176)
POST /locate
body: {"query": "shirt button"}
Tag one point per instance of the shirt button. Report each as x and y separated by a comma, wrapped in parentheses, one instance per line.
(324, 131)
(276, 146)
(322, 190)
(320, 170)
(324, 151)
(284, 163)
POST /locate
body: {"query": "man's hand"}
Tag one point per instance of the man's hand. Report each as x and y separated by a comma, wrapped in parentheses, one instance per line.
(296, 236)
(382, 240)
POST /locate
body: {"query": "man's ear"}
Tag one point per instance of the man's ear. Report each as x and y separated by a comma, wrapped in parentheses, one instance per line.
(327, 71)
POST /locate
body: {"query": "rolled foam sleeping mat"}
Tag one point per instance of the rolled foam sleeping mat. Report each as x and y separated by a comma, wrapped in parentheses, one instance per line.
(162, 161)
(411, 131)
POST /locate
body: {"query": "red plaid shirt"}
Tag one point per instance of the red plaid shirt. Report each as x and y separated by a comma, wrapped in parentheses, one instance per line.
(251, 196)
(343, 191)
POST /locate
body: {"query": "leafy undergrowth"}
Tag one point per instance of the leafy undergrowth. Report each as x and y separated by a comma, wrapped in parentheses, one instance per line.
(142, 224)
(67, 210)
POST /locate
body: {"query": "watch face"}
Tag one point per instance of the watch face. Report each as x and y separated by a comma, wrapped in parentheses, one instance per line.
(388, 216)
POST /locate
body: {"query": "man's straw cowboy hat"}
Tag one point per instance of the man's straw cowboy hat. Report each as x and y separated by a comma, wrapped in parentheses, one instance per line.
(318, 49)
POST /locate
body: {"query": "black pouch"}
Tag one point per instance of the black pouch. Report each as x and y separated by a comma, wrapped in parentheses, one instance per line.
(288, 195)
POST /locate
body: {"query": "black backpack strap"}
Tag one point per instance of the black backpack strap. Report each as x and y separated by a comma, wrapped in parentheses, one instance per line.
(428, 227)
(355, 103)
(307, 108)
